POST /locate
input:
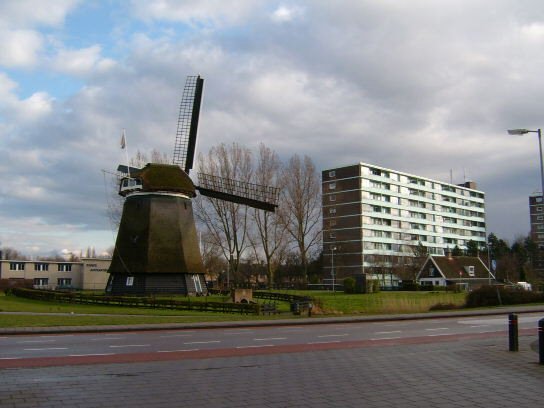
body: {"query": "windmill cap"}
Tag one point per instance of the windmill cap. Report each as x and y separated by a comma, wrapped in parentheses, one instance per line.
(165, 177)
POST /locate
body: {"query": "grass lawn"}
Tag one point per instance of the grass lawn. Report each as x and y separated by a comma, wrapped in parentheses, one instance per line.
(328, 302)
(382, 302)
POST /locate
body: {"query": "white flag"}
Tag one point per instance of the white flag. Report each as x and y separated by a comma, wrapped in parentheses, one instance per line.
(123, 140)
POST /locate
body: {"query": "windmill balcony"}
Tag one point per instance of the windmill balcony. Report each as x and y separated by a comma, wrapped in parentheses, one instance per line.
(128, 185)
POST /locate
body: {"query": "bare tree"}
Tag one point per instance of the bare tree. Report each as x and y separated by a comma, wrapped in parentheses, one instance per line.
(300, 206)
(270, 231)
(225, 221)
(12, 254)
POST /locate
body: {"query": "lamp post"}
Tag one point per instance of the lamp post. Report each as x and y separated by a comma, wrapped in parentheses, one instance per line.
(333, 248)
(538, 131)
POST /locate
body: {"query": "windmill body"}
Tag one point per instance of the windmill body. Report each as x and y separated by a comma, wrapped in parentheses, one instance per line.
(157, 246)
(157, 249)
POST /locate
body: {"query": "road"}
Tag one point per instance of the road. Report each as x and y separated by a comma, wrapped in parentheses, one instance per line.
(442, 363)
(40, 350)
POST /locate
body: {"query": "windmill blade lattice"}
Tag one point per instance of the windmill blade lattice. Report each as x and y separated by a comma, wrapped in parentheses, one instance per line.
(189, 112)
(253, 195)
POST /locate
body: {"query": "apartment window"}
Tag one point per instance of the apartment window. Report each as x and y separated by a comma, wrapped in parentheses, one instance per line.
(332, 186)
(64, 267)
(540, 217)
(332, 235)
(375, 172)
(332, 173)
(16, 266)
(41, 267)
(539, 209)
(538, 199)
(332, 223)
(332, 197)
(64, 282)
(540, 227)
(41, 281)
(332, 210)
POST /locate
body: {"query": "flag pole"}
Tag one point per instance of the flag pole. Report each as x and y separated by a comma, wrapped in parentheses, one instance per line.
(125, 148)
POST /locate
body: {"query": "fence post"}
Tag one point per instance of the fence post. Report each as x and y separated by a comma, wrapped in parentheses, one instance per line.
(541, 341)
(513, 343)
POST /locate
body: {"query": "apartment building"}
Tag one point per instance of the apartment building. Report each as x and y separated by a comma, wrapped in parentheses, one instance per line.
(374, 217)
(87, 274)
(536, 214)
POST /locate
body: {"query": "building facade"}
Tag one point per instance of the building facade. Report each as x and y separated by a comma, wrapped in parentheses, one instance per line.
(87, 274)
(374, 218)
(536, 214)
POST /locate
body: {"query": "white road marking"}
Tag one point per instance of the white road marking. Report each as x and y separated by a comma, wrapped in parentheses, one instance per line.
(175, 351)
(130, 345)
(35, 341)
(436, 335)
(389, 332)
(333, 335)
(90, 355)
(203, 342)
(107, 338)
(59, 335)
(255, 346)
(10, 358)
(175, 335)
(271, 338)
(237, 332)
(438, 328)
(385, 338)
(49, 348)
(323, 342)
(480, 325)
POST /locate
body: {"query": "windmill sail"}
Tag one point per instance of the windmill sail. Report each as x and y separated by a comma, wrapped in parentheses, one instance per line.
(241, 192)
(189, 112)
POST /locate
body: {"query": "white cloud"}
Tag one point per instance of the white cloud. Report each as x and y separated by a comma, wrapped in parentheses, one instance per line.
(16, 13)
(207, 13)
(81, 62)
(20, 48)
(286, 13)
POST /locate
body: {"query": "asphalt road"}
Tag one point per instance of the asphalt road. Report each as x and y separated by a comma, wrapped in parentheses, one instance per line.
(60, 349)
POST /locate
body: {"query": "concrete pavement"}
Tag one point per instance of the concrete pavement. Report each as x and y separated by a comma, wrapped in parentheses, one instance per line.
(473, 373)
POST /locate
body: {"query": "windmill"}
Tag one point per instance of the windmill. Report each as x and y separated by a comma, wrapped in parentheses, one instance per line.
(157, 249)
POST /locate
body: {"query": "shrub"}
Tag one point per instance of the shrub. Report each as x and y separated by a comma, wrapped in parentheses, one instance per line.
(490, 295)
(349, 285)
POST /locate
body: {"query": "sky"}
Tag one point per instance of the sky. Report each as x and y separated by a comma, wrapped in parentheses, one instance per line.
(425, 87)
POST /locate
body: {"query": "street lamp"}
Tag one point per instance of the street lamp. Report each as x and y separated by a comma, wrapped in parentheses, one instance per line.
(538, 131)
(333, 248)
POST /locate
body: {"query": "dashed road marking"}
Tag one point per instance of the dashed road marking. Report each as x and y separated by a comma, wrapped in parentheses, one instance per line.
(203, 342)
(130, 345)
(271, 338)
(176, 351)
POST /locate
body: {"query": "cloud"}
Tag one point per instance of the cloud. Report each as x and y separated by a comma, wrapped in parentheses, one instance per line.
(286, 13)
(20, 47)
(204, 13)
(81, 62)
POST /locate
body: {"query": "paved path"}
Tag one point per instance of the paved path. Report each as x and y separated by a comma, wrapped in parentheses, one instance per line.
(463, 373)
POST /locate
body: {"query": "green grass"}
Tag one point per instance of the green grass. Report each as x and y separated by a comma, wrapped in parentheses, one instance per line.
(382, 302)
(328, 304)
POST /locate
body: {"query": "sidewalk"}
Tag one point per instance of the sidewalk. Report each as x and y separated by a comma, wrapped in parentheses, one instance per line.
(503, 310)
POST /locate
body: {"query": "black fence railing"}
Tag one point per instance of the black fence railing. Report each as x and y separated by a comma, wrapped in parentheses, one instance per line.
(143, 302)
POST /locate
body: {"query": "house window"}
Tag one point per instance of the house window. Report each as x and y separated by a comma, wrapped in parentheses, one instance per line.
(332, 186)
(332, 198)
(64, 267)
(130, 281)
(198, 284)
(41, 267)
(64, 282)
(332, 173)
(16, 266)
(41, 281)
(431, 271)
